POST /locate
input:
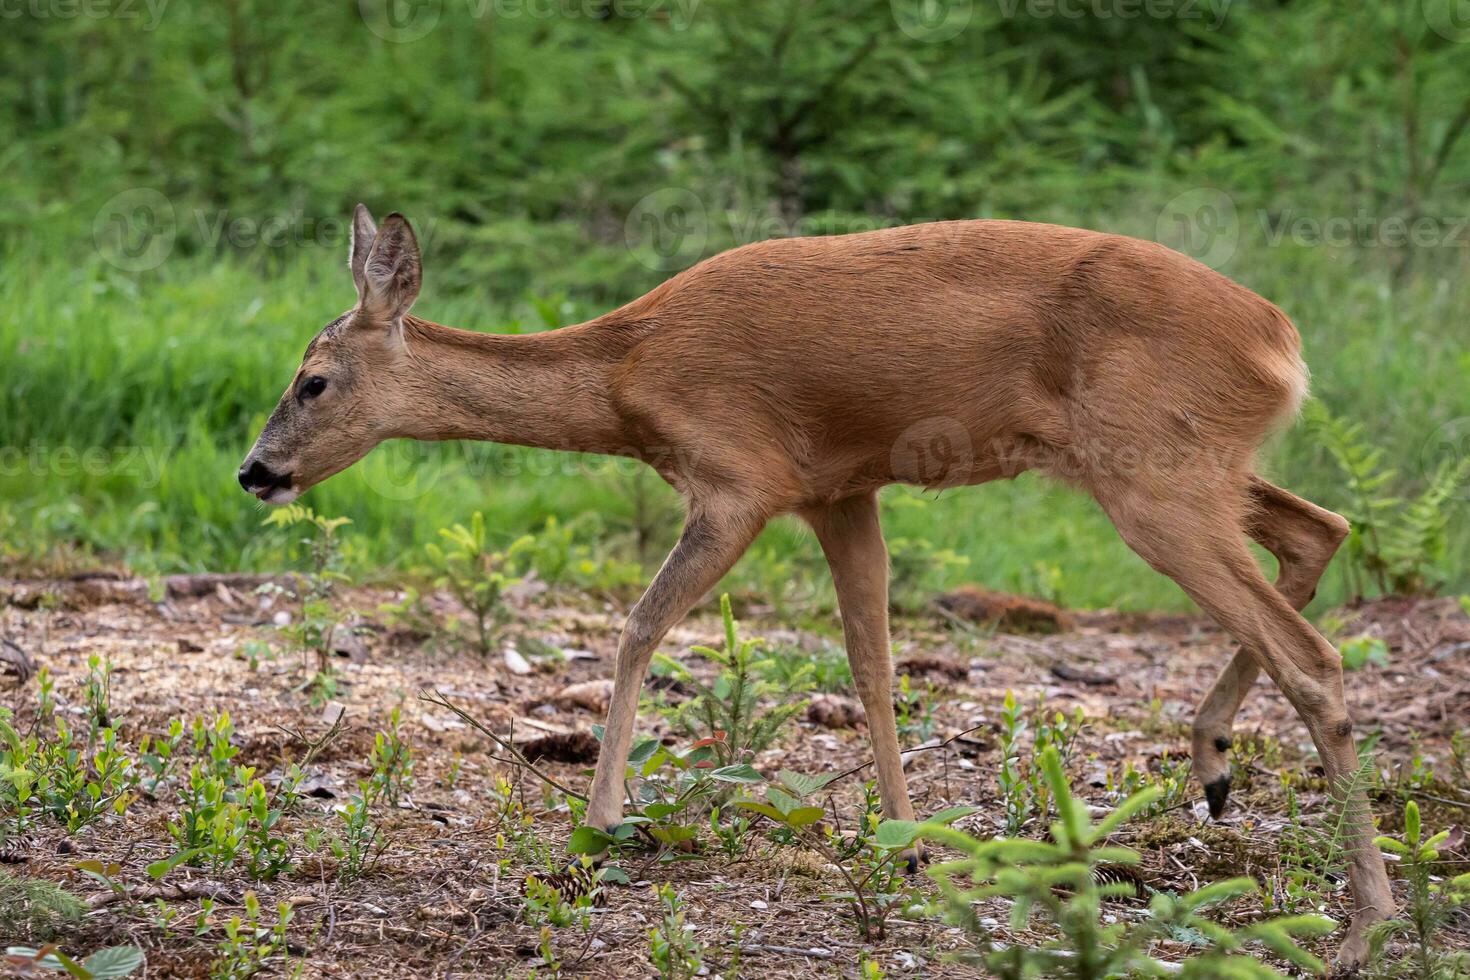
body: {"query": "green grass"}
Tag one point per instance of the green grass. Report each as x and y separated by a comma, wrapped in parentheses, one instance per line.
(128, 403)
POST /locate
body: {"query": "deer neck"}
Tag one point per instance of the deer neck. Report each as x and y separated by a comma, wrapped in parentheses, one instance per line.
(547, 390)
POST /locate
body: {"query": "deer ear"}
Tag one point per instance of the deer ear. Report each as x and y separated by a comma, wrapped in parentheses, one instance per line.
(393, 272)
(363, 233)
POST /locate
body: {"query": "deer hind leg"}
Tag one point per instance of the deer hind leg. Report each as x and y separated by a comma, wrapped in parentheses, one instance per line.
(853, 543)
(714, 538)
(1303, 537)
(1194, 537)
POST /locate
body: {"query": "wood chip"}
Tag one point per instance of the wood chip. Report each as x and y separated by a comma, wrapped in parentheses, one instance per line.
(1076, 675)
(594, 696)
(576, 747)
(1013, 613)
(835, 711)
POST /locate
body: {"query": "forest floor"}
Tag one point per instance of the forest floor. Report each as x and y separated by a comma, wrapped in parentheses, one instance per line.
(444, 897)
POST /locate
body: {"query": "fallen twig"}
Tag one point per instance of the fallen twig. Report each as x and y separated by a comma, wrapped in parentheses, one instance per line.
(914, 751)
(169, 893)
(816, 954)
(517, 758)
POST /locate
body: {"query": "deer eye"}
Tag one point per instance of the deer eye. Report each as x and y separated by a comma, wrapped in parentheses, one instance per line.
(314, 386)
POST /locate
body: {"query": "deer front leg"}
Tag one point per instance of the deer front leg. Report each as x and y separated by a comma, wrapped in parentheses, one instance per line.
(714, 538)
(852, 540)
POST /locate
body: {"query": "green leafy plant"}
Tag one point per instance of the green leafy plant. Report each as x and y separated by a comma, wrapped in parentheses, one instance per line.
(72, 782)
(869, 861)
(249, 943)
(1024, 788)
(676, 791)
(477, 576)
(392, 760)
(109, 875)
(1361, 651)
(97, 692)
(45, 694)
(1015, 788)
(914, 710)
(358, 843)
(672, 947)
(1056, 885)
(560, 560)
(210, 825)
(797, 671)
(545, 905)
(515, 830)
(158, 756)
(1432, 906)
(226, 815)
(319, 614)
(1172, 783)
(105, 964)
(732, 704)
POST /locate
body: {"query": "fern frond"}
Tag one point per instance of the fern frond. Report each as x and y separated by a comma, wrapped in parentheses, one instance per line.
(1349, 807)
(1418, 543)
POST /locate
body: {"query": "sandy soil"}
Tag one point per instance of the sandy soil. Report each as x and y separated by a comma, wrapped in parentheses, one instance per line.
(444, 900)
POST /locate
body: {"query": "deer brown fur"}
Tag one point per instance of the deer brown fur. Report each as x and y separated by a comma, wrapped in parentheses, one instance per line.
(799, 376)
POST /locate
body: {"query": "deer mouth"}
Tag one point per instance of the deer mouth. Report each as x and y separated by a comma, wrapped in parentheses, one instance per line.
(276, 496)
(267, 485)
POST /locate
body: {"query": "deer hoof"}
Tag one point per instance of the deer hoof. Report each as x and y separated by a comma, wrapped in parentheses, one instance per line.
(1217, 791)
(914, 857)
(1352, 956)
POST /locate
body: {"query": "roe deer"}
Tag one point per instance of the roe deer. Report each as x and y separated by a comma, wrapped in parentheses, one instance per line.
(798, 376)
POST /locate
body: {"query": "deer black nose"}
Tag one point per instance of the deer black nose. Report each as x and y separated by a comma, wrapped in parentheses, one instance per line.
(256, 476)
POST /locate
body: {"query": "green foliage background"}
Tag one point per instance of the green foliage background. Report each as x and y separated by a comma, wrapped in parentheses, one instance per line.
(544, 147)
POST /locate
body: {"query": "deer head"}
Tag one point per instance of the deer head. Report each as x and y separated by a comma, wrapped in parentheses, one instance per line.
(352, 390)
